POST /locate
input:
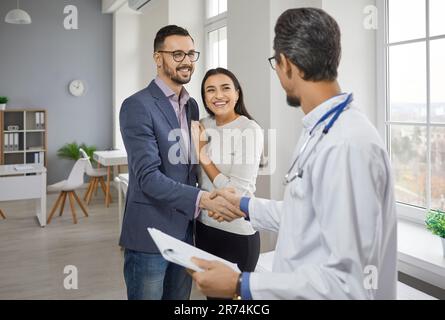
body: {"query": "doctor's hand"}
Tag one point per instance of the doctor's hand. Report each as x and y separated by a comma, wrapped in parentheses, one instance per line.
(219, 206)
(231, 196)
(217, 281)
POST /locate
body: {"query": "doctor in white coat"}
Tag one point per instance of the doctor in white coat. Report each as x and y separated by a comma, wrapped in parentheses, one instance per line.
(337, 223)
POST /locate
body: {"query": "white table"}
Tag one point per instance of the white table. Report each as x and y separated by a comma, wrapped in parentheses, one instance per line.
(18, 185)
(109, 159)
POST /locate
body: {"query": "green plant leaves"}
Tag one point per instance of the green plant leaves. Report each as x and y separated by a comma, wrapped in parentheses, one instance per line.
(435, 222)
(70, 151)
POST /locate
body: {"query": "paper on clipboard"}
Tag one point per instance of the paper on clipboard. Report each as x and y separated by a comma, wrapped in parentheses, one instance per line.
(181, 253)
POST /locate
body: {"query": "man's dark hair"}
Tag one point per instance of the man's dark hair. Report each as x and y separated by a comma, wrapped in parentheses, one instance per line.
(310, 39)
(171, 30)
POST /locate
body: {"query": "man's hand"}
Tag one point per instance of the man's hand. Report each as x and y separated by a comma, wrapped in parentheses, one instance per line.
(230, 195)
(217, 281)
(219, 208)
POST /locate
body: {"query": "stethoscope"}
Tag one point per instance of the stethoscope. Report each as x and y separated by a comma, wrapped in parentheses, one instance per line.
(337, 111)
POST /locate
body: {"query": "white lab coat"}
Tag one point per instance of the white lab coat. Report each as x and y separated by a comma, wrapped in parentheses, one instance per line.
(337, 225)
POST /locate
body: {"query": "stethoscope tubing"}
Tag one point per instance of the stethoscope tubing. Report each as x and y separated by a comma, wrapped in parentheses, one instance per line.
(337, 111)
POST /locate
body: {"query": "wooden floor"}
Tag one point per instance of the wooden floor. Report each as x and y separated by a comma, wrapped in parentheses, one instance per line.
(32, 259)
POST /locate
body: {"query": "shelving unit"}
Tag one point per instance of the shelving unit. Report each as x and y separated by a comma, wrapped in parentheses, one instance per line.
(29, 142)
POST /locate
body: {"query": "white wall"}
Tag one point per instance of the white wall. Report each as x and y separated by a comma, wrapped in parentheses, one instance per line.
(357, 71)
(248, 49)
(126, 62)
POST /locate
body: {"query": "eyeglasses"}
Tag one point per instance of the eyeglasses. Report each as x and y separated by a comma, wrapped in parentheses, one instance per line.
(273, 62)
(179, 55)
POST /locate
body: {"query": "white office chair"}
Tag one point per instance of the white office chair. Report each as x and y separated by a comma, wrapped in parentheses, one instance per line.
(67, 187)
(96, 177)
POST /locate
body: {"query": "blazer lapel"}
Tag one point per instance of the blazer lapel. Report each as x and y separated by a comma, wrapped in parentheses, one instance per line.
(164, 105)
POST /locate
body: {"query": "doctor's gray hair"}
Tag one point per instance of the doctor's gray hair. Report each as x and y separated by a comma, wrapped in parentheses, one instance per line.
(311, 40)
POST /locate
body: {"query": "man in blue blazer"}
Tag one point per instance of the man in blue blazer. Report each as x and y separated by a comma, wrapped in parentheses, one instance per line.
(162, 191)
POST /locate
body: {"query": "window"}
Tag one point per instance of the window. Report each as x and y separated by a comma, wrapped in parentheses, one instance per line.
(217, 40)
(216, 34)
(216, 7)
(413, 89)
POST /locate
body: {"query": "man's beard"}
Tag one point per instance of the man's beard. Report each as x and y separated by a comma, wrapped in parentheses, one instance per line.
(174, 77)
(294, 102)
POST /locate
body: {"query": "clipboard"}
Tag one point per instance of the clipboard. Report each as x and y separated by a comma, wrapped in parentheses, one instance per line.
(180, 253)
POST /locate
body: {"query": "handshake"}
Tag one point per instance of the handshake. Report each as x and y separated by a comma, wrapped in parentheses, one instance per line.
(222, 205)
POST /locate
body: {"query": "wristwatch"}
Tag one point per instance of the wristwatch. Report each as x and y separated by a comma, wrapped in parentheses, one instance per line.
(237, 295)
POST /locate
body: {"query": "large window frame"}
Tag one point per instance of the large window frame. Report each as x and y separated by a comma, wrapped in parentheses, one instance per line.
(405, 211)
(212, 24)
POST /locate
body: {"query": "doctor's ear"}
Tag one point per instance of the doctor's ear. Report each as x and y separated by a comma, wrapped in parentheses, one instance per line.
(289, 68)
(285, 65)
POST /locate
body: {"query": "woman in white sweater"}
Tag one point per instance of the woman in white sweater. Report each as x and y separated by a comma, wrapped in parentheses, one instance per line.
(230, 149)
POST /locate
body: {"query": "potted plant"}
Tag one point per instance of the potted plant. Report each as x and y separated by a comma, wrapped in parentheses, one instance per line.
(435, 222)
(3, 102)
(71, 151)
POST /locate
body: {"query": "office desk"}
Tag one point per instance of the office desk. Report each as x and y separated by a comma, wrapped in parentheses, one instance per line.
(109, 159)
(17, 185)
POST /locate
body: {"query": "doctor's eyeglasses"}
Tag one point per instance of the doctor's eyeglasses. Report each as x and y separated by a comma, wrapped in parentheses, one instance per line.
(273, 62)
(179, 55)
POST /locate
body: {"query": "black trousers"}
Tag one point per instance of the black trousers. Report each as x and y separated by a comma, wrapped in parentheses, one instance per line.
(240, 249)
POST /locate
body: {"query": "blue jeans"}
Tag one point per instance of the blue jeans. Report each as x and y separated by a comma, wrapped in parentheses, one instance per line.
(149, 276)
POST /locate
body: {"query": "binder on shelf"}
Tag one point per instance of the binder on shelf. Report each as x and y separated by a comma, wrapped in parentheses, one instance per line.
(11, 142)
(37, 120)
(36, 158)
(42, 120)
(42, 158)
(16, 141)
(6, 142)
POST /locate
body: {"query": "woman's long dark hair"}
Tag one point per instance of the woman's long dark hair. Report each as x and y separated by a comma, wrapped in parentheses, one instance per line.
(240, 107)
